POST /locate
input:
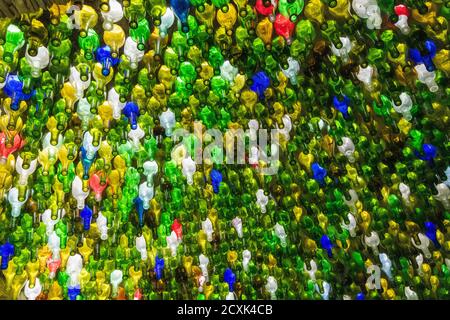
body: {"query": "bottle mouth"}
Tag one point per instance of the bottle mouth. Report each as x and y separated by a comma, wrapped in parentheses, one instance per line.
(104, 7)
(432, 85)
(107, 26)
(83, 33)
(32, 52)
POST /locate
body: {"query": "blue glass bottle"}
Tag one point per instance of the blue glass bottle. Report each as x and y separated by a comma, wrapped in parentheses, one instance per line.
(131, 111)
(139, 204)
(319, 173)
(181, 10)
(103, 55)
(327, 245)
(230, 278)
(86, 215)
(73, 292)
(14, 89)
(6, 252)
(260, 83)
(342, 106)
(159, 267)
(427, 59)
(216, 179)
(431, 229)
(429, 153)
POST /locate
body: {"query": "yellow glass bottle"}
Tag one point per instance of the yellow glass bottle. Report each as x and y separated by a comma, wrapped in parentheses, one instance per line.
(102, 80)
(115, 39)
(86, 18)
